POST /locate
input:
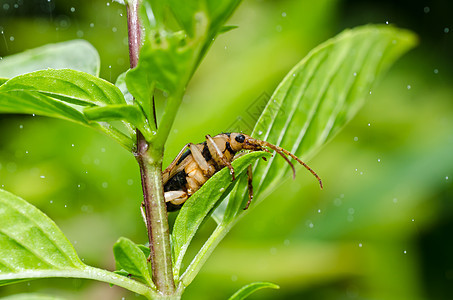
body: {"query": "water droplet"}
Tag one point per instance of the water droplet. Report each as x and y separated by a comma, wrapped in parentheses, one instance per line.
(356, 139)
(221, 190)
(360, 245)
(286, 242)
(436, 71)
(72, 9)
(234, 278)
(65, 205)
(105, 185)
(446, 30)
(426, 9)
(351, 211)
(355, 74)
(91, 25)
(260, 132)
(408, 86)
(5, 6)
(278, 28)
(395, 200)
(130, 182)
(42, 176)
(51, 201)
(369, 124)
(404, 251)
(21, 126)
(273, 250)
(114, 29)
(379, 160)
(108, 3)
(413, 220)
(72, 145)
(446, 177)
(283, 14)
(319, 211)
(387, 22)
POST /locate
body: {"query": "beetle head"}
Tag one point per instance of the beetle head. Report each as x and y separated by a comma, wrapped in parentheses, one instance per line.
(240, 141)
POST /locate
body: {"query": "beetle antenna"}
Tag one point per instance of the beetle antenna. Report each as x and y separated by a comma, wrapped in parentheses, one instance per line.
(281, 151)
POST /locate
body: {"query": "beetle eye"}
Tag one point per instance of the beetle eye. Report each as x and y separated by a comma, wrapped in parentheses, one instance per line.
(240, 138)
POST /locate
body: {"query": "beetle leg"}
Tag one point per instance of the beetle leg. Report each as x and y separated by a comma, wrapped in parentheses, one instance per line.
(176, 197)
(249, 185)
(219, 158)
(171, 170)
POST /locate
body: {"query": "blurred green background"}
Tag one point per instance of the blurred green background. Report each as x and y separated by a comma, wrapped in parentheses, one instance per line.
(381, 228)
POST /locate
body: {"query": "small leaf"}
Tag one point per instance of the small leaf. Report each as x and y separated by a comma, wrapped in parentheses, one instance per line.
(67, 85)
(130, 258)
(121, 84)
(198, 206)
(129, 113)
(249, 289)
(227, 28)
(76, 54)
(145, 250)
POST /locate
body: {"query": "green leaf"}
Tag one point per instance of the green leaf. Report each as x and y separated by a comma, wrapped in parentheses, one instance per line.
(311, 104)
(32, 246)
(71, 86)
(198, 206)
(76, 54)
(121, 84)
(145, 250)
(249, 289)
(129, 113)
(189, 13)
(321, 94)
(31, 296)
(30, 241)
(23, 102)
(130, 257)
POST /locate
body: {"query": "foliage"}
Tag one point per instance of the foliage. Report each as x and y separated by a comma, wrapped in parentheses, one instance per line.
(318, 96)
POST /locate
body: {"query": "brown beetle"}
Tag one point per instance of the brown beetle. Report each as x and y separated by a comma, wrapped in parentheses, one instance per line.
(196, 163)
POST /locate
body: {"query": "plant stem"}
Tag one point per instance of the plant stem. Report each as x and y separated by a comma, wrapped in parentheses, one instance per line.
(134, 31)
(149, 159)
(156, 217)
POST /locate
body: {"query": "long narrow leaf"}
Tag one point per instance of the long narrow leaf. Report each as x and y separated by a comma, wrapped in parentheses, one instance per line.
(321, 94)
